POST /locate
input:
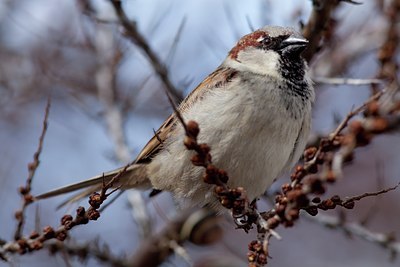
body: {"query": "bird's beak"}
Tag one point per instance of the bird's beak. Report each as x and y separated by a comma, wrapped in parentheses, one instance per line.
(293, 44)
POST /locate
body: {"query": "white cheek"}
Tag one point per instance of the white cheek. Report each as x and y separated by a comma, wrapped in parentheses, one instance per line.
(257, 61)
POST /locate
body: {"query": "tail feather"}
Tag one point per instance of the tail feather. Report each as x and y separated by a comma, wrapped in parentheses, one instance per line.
(78, 196)
(134, 176)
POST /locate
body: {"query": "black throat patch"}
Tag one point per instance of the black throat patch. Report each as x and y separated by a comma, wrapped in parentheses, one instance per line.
(293, 71)
(296, 92)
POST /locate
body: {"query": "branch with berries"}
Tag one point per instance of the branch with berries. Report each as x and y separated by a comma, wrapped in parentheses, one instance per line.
(322, 166)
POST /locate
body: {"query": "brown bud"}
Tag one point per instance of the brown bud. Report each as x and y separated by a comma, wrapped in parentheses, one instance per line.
(278, 198)
(32, 166)
(190, 142)
(93, 214)
(316, 200)
(309, 153)
(197, 160)
(337, 141)
(293, 195)
(321, 158)
(62, 235)
(280, 209)
(210, 179)
(312, 210)
(255, 245)
(316, 185)
(327, 204)
(36, 245)
(299, 173)
(219, 189)
(238, 206)
(293, 214)
(273, 223)
(223, 176)
(325, 145)
(286, 187)
(236, 192)
(372, 108)
(48, 232)
(379, 125)
(313, 168)
(336, 199)
(34, 235)
(95, 200)
(288, 223)
(22, 190)
(68, 225)
(18, 215)
(28, 198)
(251, 256)
(23, 246)
(80, 211)
(66, 218)
(193, 128)
(349, 204)
(205, 149)
(262, 259)
(330, 176)
(226, 202)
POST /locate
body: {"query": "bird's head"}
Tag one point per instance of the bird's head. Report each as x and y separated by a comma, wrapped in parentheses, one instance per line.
(264, 51)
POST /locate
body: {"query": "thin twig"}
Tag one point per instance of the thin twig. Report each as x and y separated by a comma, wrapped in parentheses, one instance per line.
(341, 126)
(370, 194)
(32, 167)
(84, 251)
(354, 112)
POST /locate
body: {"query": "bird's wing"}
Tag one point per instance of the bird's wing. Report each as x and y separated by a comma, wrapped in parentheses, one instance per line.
(216, 79)
(220, 77)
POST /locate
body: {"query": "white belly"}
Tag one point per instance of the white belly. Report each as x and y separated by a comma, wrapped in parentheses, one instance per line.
(252, 140)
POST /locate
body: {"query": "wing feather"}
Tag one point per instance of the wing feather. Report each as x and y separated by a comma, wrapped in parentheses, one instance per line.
(219, 78)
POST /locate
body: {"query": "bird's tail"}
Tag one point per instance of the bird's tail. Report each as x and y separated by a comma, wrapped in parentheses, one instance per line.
(133, 177)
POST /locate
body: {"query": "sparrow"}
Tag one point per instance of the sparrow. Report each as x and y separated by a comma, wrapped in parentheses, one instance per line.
(254, 111)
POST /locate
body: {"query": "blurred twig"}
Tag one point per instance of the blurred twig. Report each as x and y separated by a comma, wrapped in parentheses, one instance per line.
(137, 38)
(387, 241)
(199, 227)
(347, 81)
(317, 25)
(84, 251)
(109, 57)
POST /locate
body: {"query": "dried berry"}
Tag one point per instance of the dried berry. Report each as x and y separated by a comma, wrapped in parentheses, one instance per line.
(193, 128)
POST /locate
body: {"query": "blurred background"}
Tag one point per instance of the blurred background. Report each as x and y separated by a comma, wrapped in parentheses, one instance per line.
(76, 52)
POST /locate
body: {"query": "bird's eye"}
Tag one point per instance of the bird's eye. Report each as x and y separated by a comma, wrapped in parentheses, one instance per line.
(265, 40)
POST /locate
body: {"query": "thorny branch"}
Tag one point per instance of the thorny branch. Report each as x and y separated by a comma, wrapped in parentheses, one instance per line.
(25, 191)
